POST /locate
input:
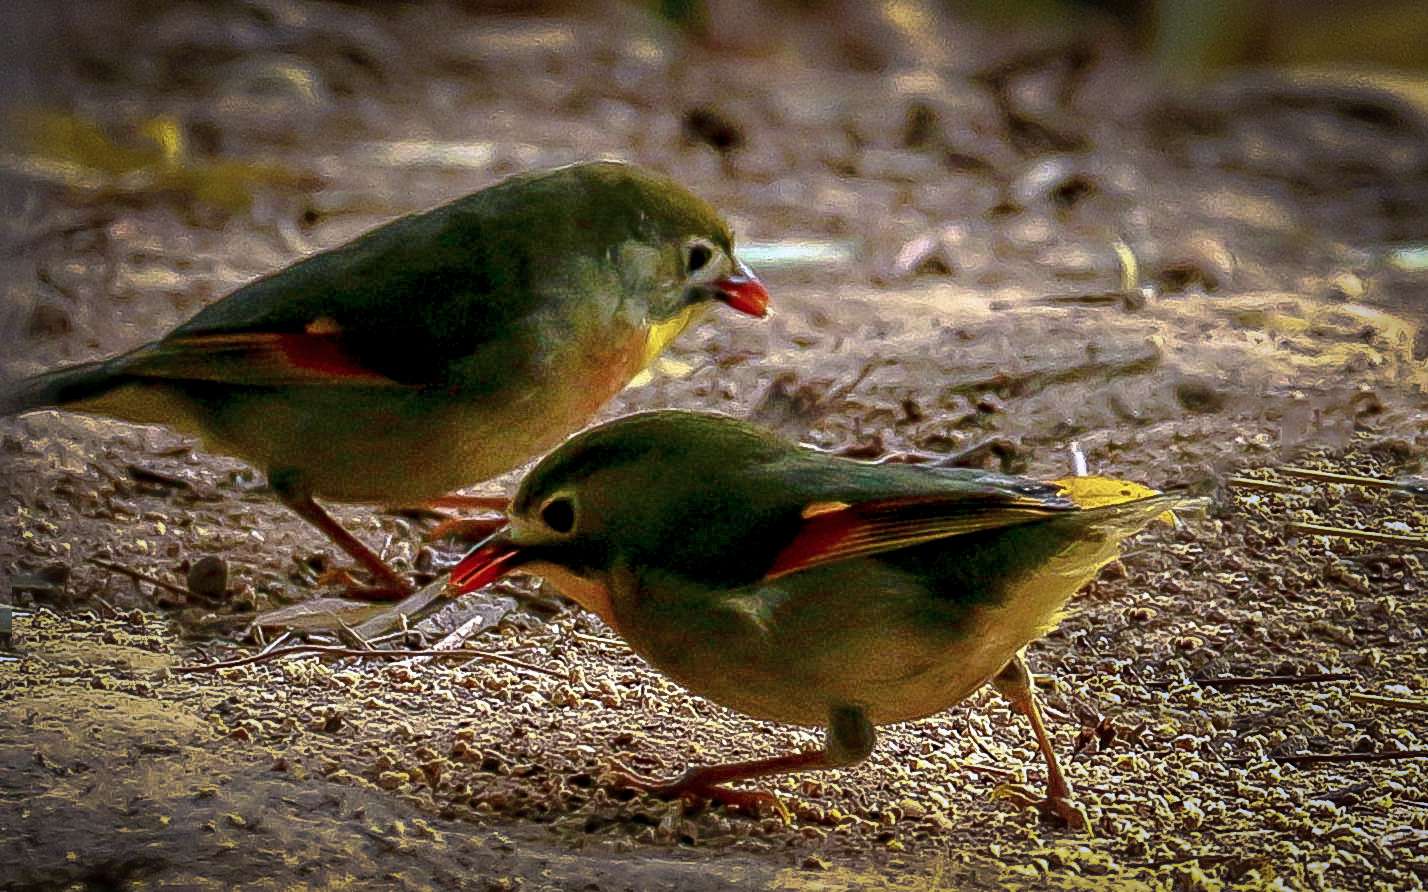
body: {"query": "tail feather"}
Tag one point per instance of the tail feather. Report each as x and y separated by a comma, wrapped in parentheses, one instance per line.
(1107, 526)
(1101, 529)
(1119, 508)
(1126, 518)
(58, 388)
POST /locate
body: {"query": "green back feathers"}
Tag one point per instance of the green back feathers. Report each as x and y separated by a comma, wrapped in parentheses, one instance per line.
(649, 446)
(451, 297)
(721, 502)
(427, 288)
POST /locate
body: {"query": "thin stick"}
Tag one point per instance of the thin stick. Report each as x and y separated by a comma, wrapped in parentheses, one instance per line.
(598, 639)
(277, 642)
(1314, 529)
(1311, 759)
(1332, 758)
(1350, 479)
(325, 650)
(1241, 681)
(1267, 485)
(1093, 298)
(1395, 702)
(1130, 266)
(142, 576)
(1230, 681)
(456, 637)
(348, 636)
(149, 475)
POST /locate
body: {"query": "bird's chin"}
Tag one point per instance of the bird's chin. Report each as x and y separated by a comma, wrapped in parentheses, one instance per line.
(590, 594)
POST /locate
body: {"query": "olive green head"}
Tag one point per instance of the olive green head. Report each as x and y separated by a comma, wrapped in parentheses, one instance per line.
(670, 248)
(658, 489)
(664, 459)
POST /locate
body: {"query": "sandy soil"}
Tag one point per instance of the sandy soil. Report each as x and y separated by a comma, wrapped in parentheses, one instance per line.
(980, 206)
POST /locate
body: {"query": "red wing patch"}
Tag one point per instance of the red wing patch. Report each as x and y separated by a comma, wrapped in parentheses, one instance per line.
(834, 531)
(259, 359)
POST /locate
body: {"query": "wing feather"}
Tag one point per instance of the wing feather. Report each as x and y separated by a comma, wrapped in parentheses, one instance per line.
(877, 525)
(257, 359)
(835, 531)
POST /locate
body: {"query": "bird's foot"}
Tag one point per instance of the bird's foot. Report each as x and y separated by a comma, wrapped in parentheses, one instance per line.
(1062, 808)
(466, 529)
(693, 791)
(352, 587)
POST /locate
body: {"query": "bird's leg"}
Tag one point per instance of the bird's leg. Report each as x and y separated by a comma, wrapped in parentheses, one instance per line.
(849, 740)
(467, 529)
(705, 783)
(390, 586)
(470, 503)
(1014, 683)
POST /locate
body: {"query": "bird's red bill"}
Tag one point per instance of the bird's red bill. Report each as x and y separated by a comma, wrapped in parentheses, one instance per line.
(744, 292)
(486, 563)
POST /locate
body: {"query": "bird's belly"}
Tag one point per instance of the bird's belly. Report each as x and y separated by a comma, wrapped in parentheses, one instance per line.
(866, 637)
(396, 445)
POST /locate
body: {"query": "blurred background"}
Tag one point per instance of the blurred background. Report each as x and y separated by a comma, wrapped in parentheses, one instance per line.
(1018, 224)
(1161, 240)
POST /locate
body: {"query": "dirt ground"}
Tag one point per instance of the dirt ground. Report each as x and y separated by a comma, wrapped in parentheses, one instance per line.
(982, 245)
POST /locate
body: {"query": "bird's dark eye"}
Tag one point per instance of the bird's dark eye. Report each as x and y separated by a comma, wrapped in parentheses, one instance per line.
(559, 515)
(699, 256)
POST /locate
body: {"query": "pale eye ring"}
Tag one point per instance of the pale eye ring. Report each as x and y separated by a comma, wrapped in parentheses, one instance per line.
(558, 513)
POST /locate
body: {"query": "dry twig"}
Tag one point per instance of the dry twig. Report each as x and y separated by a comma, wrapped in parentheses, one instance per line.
(1307, 759)
(1245, 681)
(1349, 479)
(328, 651)
(143, 577)
(1231, 681)
(1267, 485)
(1314, 529)
(599, 639)
(1394, 702)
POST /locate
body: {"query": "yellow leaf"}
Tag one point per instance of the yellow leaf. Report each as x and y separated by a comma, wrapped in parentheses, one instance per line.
(166, 133)
(80, 153)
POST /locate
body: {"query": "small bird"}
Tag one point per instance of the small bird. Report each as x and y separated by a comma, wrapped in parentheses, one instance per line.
(795, 586)
(435, 351)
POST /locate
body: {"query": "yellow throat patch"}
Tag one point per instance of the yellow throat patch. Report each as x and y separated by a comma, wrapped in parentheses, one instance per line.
(659, 335)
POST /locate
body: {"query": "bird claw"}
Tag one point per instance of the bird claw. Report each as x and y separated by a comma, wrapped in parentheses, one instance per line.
(361, 591)
(753, 803)
(1059, 808)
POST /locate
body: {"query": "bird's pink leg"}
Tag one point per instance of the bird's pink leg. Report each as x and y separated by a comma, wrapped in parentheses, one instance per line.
(849, 740)
(390, 586)
(1014, 683)
(706, 783)
(461, 502)
(468, 529)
